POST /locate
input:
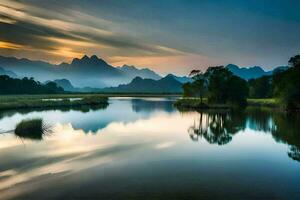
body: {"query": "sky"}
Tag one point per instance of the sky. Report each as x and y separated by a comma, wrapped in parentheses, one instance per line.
(168, 36)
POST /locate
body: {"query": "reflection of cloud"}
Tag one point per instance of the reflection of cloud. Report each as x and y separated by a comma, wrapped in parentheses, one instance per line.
(164, 145)
(67, 151)
(57, 159)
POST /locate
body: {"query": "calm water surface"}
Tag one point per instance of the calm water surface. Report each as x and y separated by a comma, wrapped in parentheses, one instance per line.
(145, 149)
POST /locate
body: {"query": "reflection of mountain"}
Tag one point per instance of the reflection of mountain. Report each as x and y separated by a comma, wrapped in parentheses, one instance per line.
(92, 119)
(219, 128)
(83, 109)
(144, 105)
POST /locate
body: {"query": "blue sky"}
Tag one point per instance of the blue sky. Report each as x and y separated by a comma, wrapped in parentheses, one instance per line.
(165, 35)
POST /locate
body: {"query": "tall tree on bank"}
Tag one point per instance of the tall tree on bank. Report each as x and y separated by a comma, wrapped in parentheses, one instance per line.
(198, 87)
(287, 84)
(226, 88)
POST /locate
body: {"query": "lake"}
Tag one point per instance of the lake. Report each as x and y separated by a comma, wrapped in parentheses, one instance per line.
(144, 148)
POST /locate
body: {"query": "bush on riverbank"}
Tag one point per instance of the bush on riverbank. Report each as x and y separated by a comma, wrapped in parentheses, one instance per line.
(32, 129)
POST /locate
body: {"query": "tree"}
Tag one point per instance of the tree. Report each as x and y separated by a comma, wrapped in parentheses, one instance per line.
(26, 86)
(224, 87)
(198, 87)
(287, 84)
(295, 61)
(260, 87)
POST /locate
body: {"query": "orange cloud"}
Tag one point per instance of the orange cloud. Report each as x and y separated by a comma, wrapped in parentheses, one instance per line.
(181, 64)
(10, 45)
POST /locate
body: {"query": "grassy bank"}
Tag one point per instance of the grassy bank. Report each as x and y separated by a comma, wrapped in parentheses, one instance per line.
(264, 102)
(51, 101)
(195, 103)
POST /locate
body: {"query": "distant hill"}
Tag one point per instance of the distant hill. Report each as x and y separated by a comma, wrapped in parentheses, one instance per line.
(65, 84)
(133, 72)
(181, 79)
(8, 73)
(139, 85)
(251, 72)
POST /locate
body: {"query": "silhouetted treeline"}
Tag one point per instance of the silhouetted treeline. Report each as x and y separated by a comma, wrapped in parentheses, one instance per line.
(284, 85)
(27, 86)
(219, 85)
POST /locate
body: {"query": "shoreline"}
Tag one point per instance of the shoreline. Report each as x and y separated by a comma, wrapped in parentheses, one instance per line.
(50, 101)
(195, 104)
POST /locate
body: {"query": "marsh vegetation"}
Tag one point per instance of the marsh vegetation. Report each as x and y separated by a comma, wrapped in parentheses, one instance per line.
(34, 129)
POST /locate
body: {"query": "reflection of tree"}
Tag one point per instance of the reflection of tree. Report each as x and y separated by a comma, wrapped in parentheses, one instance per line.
(217, 128)
(287, 131)
(144, 105)
(197, 131)
(294, 153)
(260, 120)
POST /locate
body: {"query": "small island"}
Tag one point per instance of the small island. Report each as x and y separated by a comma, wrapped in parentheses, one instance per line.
(219, 88)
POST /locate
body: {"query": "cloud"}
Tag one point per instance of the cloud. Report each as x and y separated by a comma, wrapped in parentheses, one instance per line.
(64, 33)
(9, 45)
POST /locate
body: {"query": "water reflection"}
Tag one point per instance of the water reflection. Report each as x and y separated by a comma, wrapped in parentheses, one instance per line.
(219, 127)
(144, 105)
(216, 127)
(139, 148)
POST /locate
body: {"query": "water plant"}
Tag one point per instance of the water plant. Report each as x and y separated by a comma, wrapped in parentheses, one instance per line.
(33, 129)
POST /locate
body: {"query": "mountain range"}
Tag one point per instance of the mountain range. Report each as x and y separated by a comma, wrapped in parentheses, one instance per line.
(8, 73)
(84, 72)
(252, 72)
(144, 73)
(167, 84)
(92, 73)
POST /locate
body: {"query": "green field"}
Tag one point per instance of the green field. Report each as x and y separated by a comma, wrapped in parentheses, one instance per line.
(47, 101)
(65, 100)
(195, 103)
(263, 102)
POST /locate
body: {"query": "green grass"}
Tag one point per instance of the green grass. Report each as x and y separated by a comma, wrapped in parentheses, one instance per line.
(38, 101)
(263, 102)
(195, 103)
(31, 129)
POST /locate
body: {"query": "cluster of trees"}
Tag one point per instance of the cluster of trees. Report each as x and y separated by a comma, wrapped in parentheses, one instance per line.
(10, 85)
(219, 85)
(284, 85)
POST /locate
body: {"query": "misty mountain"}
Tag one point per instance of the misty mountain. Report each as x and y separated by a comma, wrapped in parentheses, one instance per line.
(133, 72)
(167, 84)
(65, 84)
(8, 73)
(181, 79)
(252, 72)
(84, 72)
